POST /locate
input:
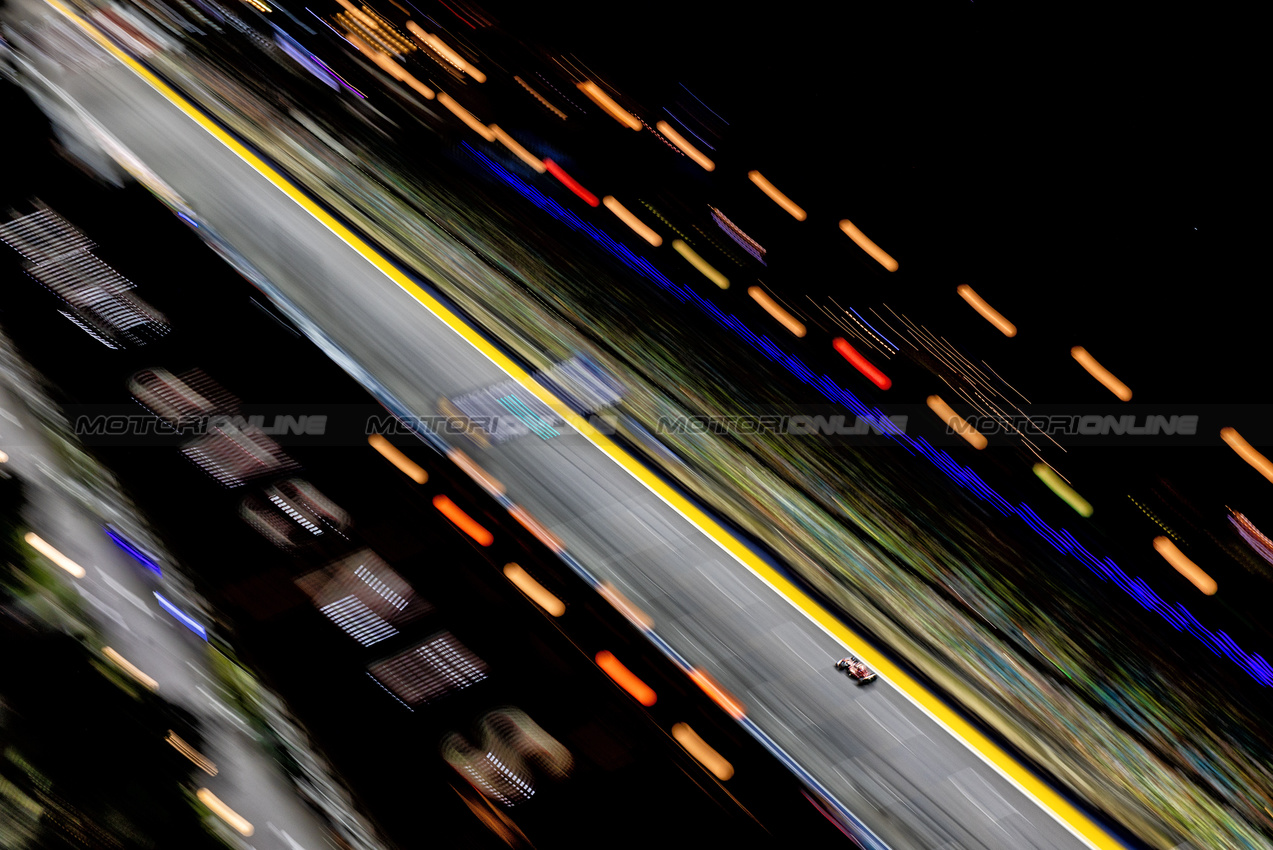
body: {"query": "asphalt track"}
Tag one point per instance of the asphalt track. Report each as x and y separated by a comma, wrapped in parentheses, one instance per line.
(882, 751)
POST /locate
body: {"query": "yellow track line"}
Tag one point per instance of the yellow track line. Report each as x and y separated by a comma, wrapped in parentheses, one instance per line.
(1052, 802)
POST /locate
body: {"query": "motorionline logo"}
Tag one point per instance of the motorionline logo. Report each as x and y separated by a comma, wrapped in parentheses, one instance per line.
(798, 425)
(139, 425)
(1086, 426)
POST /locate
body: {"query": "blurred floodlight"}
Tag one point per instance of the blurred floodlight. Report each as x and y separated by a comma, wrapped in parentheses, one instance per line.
(131, 669)
(686, 148)
(699, 263)
(518, 150)
(405, 465)
(702, 752)
(620, 602)
(772, 307)
(641, 228)
(1247, 452)
(990, 314)
(778, 197)
(1100, 373)
(719, 695)
(442, 49)
(534, 590)
(199, 759)
(617, 112)
(535, 527)
(1064, 491)
(1184, 566)
(626, 679)
(540, 98)
(570, 183)
(463, 521)
(465, 116)
(876, 252)
(227, 814)
(957, 424)
(39, 545)
(866, 367)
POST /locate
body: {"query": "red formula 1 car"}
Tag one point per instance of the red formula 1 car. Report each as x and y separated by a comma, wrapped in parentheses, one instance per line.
(856, 669)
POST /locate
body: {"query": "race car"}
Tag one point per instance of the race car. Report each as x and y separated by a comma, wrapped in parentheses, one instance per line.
(856, 669)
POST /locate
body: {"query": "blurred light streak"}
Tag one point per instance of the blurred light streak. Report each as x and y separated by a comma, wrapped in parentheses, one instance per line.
(423, 90)
(626, 679)
(877, 253)
(494, 820)
(686, 148)
(883, 338)
(860, 363)
(704, 105)
(463, 19)
(388, 31)
(1253, 665)
(404, 464)
(778, 197)
(528, 417)
(258, 5)
(699, 263)
(442, 49)
(537, 593)
(1063, 491)
(535, 527)
(1184, 566)
(570, 183)
(521, 152)
(130, 668)
(463, 521)
(184, 618)
(990, 314)
(615, 111)
(137, 554)
(201, 761)
(4, 457)
(1100, 373)
(227, 814)
(751, 246)
(541, 99)
(38, 544)
(620, 602)
(771, 307)
(1247, 452)
(702, 752)
(488, 481)
(639, 227)
(974, 437)
(466, 116)
(1257, 540)
(719, 695)
(703, 141)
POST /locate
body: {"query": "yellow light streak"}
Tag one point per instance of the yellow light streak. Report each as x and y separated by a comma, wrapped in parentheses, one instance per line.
(699, 263)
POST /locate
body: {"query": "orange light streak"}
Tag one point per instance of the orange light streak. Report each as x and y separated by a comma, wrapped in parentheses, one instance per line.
(626, 679)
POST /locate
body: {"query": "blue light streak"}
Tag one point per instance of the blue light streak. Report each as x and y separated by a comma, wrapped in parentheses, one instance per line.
(138, 555)
(1177, 615)
(185, 619)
